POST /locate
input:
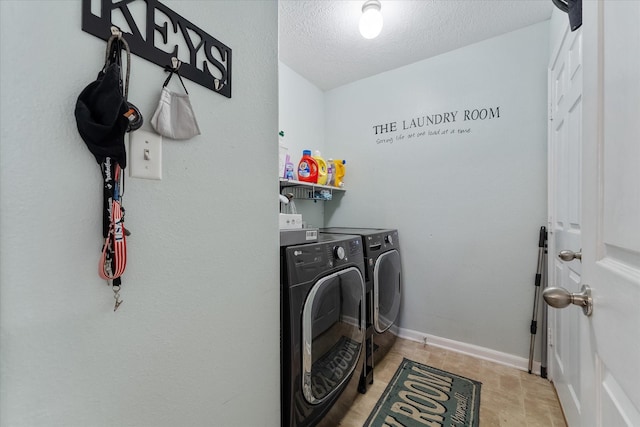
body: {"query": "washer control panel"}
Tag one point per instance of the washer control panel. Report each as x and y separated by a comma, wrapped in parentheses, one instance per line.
(308, 261)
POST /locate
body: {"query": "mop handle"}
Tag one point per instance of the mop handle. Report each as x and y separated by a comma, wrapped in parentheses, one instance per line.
(533, 328)
(541, 241)
(543, 237)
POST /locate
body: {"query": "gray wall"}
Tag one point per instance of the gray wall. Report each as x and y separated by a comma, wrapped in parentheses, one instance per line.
(302, 120)
(468, 205)
(196, 341)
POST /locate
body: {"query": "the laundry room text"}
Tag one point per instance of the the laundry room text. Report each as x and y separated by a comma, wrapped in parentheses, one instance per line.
(443, 123)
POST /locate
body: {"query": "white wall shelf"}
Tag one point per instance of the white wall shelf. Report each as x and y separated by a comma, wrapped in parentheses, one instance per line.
(306, 190)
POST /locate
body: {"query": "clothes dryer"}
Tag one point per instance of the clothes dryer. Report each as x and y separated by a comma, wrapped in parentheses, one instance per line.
(323, 327)
(383, 273)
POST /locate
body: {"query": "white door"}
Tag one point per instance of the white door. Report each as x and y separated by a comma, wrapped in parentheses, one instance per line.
(605, 385)
(611, 211)
(565, 230)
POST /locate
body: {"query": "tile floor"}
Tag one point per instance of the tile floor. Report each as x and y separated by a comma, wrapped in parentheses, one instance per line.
(508, 397)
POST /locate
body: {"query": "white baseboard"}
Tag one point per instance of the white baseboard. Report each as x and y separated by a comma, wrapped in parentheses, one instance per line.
(469, 349)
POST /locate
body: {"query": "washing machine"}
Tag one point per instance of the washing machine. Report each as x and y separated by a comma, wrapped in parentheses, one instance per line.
(322, 329)
(383, 274)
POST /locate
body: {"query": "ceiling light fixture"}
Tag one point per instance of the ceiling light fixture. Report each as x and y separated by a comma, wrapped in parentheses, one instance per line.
(371, 19)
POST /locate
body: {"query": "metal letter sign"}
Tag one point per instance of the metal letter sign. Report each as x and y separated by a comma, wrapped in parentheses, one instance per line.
(143, 44)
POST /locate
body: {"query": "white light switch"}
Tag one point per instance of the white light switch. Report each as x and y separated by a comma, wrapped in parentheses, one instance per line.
(145, 155)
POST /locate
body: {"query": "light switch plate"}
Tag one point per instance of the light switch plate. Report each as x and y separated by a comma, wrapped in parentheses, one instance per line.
(145, 155)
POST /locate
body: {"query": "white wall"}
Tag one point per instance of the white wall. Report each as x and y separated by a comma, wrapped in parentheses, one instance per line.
(196, 341)
(468, 206)
(301, 118)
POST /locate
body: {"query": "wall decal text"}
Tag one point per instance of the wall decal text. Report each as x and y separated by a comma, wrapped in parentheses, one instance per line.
(444, 123)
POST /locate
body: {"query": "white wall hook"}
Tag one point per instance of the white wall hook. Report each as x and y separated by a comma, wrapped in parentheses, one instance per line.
(115, 31)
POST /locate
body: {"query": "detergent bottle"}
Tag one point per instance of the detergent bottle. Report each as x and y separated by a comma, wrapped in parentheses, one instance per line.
(322, 168)
(308, 168)
(282, 155)
(331, 171)
(339, 172)
(288, 169)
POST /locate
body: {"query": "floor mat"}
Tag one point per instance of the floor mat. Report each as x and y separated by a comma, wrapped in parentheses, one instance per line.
(420, 395)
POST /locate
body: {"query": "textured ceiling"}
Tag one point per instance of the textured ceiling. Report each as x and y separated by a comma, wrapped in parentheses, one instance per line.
(320, 39)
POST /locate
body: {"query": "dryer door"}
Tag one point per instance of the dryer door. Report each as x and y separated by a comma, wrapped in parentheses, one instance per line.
(333, 323)
(386, 290)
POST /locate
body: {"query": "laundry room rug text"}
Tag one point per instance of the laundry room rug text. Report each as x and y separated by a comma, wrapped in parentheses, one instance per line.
(419, 395)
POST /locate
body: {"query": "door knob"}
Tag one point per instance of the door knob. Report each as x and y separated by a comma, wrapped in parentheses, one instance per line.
(570, 255)
(561, 298)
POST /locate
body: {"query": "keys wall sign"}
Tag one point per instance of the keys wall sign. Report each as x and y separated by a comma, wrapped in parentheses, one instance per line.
(209, 60)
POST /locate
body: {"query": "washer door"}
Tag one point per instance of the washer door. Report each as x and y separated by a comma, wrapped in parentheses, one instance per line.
(333, 324)
(386, 290)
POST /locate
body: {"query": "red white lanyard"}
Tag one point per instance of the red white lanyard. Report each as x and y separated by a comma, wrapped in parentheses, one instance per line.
(113, 260)
(116, 243)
